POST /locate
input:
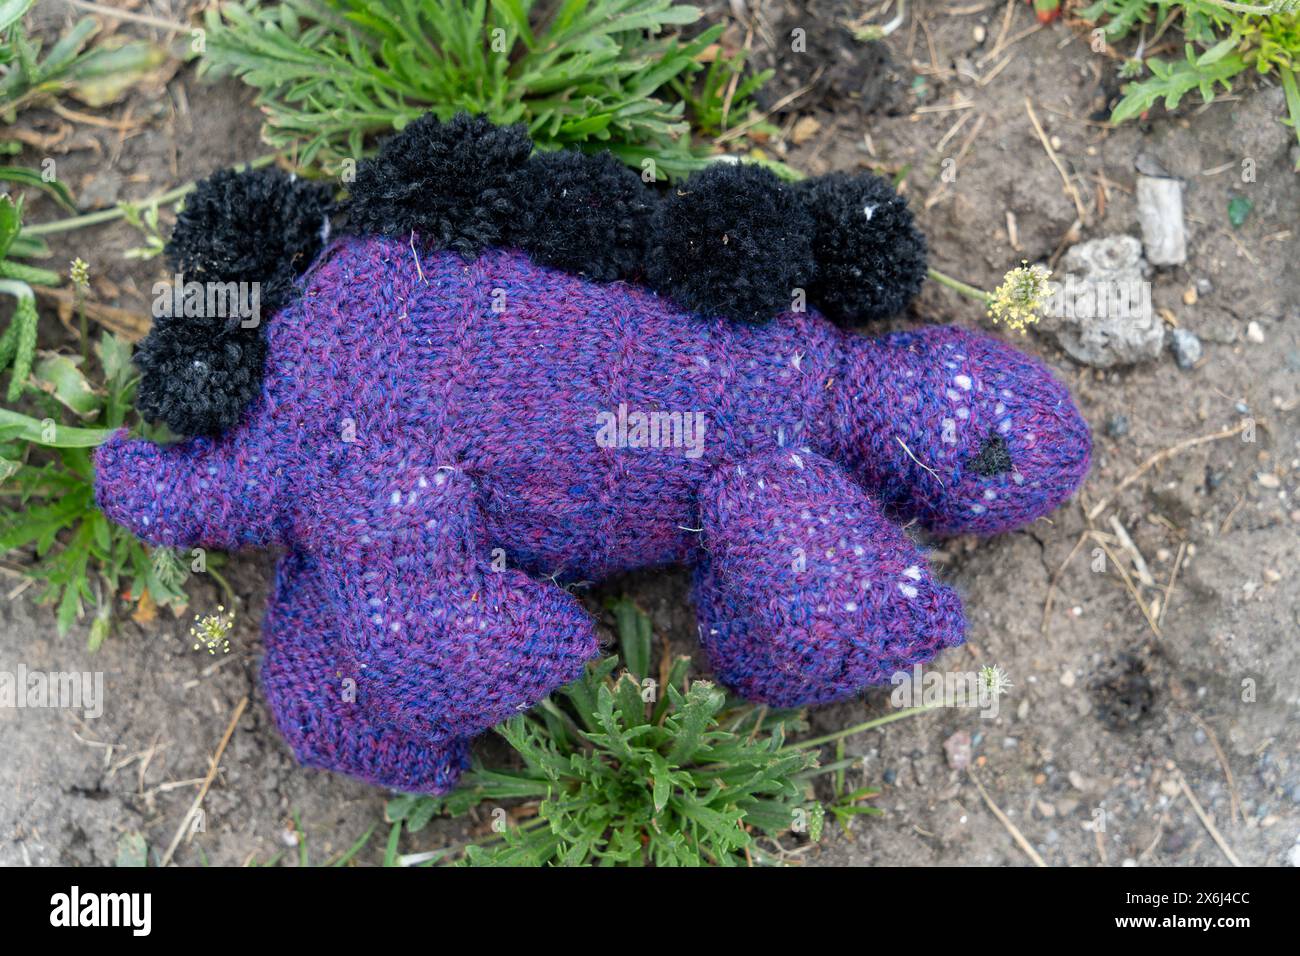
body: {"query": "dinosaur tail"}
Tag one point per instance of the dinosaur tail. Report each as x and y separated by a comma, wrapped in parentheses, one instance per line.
(242, 238)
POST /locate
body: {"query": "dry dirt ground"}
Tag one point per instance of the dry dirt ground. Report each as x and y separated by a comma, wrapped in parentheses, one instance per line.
(1116, 744)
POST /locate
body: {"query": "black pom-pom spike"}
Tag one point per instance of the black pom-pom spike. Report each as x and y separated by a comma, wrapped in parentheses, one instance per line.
(732, 240)
(261, 226)
(583, 213)
(198, 385)
(871, 258)
(454, 183)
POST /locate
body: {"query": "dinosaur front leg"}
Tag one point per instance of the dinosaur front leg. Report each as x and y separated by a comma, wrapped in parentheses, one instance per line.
(447, 644)
(805, 593)
(312, 686)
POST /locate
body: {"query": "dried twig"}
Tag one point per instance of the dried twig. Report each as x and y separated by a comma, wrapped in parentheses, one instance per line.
(1159, 457)
(1208, 823)
(76, 116)
(1079, 207)
(944, 107)
(1223, 763)
(988, 77)
(1028, 31)
(1128, 583)
(735, 78)
(130, 325)
(1232, 513)
(953, 130)
(1139, 562)
(1006, 822)
(782, 103)
(1173, 576)
(935, 196)
(1101, 847)
(1007, 13)
(207, 782)
(142, 18)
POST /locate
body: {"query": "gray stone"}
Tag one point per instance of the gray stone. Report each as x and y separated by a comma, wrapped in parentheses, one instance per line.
(1187, 348)
(1101, 312)
(1160, 213)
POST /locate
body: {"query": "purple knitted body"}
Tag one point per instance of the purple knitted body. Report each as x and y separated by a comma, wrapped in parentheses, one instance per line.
(427, 446)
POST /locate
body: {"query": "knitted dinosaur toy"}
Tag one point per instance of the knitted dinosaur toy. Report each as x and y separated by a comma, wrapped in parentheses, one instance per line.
(514, 370)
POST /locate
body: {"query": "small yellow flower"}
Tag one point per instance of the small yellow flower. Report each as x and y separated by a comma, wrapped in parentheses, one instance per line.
(1018, 302)
(79, 273)
(213, 630)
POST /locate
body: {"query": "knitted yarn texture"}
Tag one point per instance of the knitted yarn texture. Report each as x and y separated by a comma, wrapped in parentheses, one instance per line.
(439, 441)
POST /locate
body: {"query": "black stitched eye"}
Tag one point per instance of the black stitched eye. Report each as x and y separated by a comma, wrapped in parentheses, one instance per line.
(992, 458)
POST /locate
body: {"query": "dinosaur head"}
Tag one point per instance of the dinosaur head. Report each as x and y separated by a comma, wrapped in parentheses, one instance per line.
(959, 430)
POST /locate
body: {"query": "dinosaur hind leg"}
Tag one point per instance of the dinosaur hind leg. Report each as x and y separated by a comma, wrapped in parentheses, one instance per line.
(805, 593)
(311, 685)
(448, 643)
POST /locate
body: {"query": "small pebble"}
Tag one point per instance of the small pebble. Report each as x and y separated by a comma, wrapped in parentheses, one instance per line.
(1187, 348)
(957, 748)
(1189, 295)
(1117, 426)
(1269, 480)
(1254, 332)
(980, 33)
(1067, 679)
